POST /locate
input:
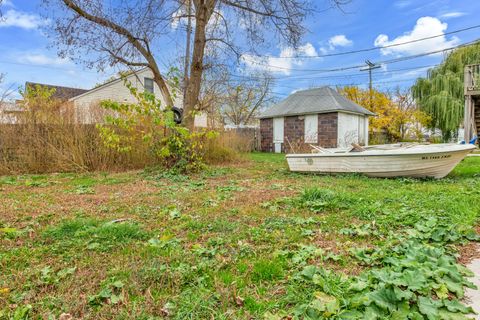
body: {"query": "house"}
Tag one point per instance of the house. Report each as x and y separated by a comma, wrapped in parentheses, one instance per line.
(319, 116)
(58, 92)
(10, 112)
(86, 103)
(472, 102)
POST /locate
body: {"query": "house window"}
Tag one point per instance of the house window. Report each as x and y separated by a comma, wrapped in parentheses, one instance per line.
(311, 128)
(148, 83)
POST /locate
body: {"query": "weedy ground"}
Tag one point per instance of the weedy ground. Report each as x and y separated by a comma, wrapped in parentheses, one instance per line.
(250, 240)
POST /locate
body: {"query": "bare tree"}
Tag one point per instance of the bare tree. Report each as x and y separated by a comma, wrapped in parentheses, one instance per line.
(133, 33)
(407, 107)
(5, 92)
(244, 100)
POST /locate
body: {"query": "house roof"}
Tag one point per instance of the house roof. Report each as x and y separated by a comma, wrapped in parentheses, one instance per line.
(312, 101)
(61, 93)
(110, 82)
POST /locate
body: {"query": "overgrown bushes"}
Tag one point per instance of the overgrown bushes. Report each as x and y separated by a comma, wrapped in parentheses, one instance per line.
(47, 138)
(44, 148)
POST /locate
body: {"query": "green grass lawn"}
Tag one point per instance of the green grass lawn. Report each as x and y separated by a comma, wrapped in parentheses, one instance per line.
(243, 241)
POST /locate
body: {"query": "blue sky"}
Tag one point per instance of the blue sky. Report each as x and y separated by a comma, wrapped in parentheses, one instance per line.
(26, 53)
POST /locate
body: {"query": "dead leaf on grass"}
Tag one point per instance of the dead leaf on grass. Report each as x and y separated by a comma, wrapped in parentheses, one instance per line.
(65, 316)
(239, 301)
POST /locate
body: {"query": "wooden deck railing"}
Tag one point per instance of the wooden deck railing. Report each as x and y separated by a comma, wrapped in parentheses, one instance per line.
(472, 79)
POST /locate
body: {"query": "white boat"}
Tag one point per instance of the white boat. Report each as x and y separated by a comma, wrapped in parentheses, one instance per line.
(395, 160)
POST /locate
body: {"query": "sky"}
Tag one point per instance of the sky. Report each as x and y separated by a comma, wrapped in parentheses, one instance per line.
(27, 54)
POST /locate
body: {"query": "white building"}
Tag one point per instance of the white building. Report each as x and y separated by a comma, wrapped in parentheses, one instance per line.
(319, 116)
(9, 112)
(86, 104)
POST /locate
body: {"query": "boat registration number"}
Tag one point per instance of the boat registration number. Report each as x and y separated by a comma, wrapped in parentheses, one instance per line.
(436, 157)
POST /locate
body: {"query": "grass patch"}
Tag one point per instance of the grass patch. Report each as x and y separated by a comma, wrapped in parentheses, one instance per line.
(246, 241)
(268, 270)
(94, 234)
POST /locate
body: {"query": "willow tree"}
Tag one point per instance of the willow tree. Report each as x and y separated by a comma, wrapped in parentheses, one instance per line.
(441, 95)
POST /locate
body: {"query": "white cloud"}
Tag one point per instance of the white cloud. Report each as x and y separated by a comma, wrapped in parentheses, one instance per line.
(8, 3)
(402, 3)
(42, 60)
(178, 17)
(407, 75)
(13, 18)
(425, 27)
(454, 14)
(339, 40)
(281, 64)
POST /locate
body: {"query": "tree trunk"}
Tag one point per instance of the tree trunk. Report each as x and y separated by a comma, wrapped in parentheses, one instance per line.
(157, 78)
(203, 12)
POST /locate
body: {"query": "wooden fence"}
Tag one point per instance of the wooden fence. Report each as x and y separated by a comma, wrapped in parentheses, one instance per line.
(242, 139)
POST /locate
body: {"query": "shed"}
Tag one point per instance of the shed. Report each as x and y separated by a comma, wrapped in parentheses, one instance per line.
(319, 116)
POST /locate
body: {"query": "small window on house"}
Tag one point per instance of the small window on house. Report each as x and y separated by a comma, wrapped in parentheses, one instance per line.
(148, 84)
(311, 128)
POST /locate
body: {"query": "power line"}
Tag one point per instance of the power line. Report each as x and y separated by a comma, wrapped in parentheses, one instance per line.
(346, 84)
(379, 47)
(281, 94)
(380, 62)
(314, 77)
(43, 66)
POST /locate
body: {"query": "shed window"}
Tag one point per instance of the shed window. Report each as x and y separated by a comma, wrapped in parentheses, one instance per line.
(148, 84)
(311, 128)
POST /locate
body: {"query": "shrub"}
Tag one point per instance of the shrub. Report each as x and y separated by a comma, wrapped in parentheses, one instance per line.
(171, 145)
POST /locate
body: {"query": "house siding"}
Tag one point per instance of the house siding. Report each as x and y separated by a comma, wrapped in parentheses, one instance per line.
(87, 106)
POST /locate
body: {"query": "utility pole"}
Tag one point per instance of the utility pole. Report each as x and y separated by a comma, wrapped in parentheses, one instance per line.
(187, 51)
(370, 66)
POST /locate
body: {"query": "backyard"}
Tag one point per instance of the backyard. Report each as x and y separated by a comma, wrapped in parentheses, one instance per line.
(247, 240)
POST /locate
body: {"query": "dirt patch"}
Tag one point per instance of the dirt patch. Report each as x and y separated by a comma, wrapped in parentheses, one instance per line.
(469, 251)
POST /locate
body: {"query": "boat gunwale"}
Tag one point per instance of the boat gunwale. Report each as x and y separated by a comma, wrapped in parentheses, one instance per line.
(375, 153)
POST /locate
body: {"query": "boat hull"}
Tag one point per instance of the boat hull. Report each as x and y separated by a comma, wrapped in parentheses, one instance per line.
(435, 163)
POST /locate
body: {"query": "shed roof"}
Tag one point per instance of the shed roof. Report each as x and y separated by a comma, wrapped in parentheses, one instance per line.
(311, 101)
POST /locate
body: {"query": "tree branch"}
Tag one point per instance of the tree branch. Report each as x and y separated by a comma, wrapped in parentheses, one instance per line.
(125, 61)
(132, 39)
(229, 45)
(252, 10)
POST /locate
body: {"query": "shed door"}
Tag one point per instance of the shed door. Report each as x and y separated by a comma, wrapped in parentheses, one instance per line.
(278, 134)
(311, 128)
(277, 130)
